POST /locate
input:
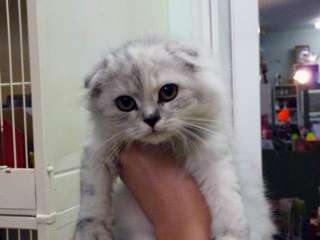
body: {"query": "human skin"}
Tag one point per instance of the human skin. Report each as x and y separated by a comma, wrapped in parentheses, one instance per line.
(168, 196)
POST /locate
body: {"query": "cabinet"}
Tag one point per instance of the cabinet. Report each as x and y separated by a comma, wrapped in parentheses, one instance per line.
(285, 95)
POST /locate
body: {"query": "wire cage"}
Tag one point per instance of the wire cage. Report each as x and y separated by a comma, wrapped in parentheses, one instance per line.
(16, 133)
(16, 139)
(17, 234)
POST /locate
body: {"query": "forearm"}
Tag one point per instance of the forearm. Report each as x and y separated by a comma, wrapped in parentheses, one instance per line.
(168, 196)
(184, 216)
(182, 232)
(95, 206)
(95, 186)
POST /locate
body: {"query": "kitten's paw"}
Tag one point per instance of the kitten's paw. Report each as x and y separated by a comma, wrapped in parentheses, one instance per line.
(92, 229)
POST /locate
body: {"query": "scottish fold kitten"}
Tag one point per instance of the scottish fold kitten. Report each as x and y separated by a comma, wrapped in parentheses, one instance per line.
(159, 91)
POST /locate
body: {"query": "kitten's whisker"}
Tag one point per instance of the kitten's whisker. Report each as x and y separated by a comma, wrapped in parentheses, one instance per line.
(191, 133)
(209, 131)
(202, 124)
(201, 120)
(115, 150)
(199, 127)
(208, 124)
(102, 148)
(212, 124)
(183, 139)
(113, 138)
(112, 154)
(188, 143)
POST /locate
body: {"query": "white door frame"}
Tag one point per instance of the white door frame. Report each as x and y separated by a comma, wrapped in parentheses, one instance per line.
(230, 29)
(242, 26)
(244, 23)
(42, 176)
(235, 42)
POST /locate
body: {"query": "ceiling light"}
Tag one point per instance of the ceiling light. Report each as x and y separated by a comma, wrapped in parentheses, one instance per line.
(317, 24)
(302, 76)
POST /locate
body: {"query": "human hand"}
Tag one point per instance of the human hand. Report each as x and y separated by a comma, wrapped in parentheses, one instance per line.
(168, 196)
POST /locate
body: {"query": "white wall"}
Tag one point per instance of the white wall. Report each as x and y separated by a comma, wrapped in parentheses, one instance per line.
(71, 39)
(278, 49)
(180, 20)
(66, 39)
(207, 24)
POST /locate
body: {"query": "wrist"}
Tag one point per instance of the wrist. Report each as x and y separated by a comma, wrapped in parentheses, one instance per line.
(187, 230)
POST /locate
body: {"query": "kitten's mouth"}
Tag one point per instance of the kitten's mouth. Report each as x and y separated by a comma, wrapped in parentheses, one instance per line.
(153, 133)
(156, 136)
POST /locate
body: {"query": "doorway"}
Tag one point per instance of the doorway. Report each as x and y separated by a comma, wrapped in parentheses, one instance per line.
(290, 113)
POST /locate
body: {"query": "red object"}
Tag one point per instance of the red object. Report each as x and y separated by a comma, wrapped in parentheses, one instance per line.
(284, 115)
(6, 146)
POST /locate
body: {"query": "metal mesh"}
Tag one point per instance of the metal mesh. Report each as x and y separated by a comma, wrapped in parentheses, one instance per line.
(16, 140)
(17, 234)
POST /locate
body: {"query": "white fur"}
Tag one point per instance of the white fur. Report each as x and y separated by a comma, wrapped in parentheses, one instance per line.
(233, 192)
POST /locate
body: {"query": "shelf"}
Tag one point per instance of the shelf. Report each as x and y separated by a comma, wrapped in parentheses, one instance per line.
(285, 86)
(292, 122)
(290, 109)
(284, 97)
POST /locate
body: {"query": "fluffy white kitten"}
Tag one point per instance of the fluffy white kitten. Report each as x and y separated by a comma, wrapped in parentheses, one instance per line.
(159, 91)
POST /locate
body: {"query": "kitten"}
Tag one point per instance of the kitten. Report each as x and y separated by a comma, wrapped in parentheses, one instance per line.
(159, 91)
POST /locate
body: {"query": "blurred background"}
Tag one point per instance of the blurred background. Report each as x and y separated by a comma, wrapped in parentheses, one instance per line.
(290, 113)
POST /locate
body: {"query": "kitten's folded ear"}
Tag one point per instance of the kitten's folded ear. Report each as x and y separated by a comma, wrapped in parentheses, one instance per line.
(184, 53)
(91, 81)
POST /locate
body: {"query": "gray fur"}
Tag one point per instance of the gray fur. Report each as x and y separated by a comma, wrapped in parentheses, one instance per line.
(194, 125)
(87, 189)
(85, 221)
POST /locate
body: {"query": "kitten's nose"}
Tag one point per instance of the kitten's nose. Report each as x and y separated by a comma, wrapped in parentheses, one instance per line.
(152, 119)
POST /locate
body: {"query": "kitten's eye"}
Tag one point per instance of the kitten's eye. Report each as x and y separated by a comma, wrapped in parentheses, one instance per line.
(125, 103)
(168, 92)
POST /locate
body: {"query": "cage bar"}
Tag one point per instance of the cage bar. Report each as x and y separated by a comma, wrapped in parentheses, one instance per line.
(15, 95)
(1, 118)
(23, 86)
(11, 86)
(18, 234)
(15, 84)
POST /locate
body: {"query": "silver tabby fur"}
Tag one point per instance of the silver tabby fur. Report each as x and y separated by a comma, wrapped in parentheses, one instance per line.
(195, 124)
